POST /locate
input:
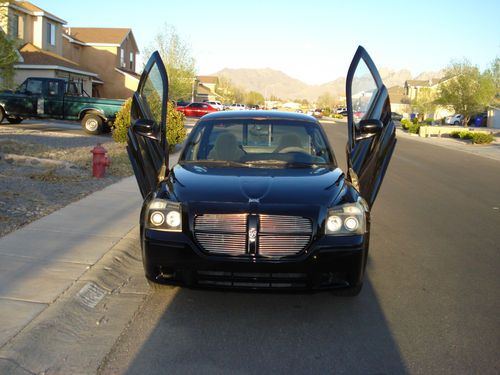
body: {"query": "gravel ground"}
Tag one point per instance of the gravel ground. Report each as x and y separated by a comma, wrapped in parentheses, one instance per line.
(41, 172)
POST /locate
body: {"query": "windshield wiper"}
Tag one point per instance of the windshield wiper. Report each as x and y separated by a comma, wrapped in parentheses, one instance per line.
(224, 163)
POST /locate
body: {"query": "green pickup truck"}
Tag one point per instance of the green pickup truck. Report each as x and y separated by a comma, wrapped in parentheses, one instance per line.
(57, 98)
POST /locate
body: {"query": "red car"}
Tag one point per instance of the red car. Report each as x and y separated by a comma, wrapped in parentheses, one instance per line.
(197, 109)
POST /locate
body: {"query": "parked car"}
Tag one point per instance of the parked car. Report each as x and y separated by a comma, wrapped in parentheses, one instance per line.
(237, 107)
(196, 109)
(216, 104)
(181, 103)
(257, 199)
(340, 110)
(318, 113)
(57, 98)
(343, 113)
(454, 120)
(396, 116)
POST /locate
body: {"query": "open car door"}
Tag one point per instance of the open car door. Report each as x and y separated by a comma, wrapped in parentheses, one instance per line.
(147, 145)
(372, 134)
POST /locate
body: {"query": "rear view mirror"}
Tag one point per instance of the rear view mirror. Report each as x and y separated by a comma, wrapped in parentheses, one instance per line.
(145, 128)
(369, 128)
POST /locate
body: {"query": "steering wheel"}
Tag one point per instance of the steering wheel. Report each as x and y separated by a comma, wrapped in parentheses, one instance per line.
(292, 149)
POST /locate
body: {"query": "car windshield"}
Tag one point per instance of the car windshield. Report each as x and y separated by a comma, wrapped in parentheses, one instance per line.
(275, 143)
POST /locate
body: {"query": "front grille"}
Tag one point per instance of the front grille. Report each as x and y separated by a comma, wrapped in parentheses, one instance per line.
(222, 234)
(278, 235)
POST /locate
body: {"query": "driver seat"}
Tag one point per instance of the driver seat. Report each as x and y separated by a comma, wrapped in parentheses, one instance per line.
(289, 140)
(226, 148)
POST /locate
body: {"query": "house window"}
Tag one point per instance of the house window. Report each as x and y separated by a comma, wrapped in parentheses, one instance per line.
(131, 61)
(51, 34)
(15, 26)
(122, 58)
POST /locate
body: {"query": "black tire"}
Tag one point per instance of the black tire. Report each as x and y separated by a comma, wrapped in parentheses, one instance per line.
(456, 123)
(352, 291)
(14, 120)
(2, 115)
(92, 124)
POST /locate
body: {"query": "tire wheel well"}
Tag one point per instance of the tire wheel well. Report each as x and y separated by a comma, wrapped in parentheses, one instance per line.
(91, 112)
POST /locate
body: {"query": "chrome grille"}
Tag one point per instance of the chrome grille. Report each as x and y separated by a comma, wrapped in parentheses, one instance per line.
(281, 245)
(278, 235)
(223, 234)
(282, 235)
(284, 224)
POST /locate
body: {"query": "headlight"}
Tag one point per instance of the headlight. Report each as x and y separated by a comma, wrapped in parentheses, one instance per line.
(164, 215)
(347, 219)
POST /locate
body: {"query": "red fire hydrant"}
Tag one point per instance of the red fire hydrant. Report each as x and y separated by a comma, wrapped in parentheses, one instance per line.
(99, 161)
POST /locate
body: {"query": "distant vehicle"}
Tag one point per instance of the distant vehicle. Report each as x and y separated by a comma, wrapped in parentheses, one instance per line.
(181, 103)
(396, 116)
(196, 109)
(254, 107)
(237, 107)
(57, 98)
(454, 120)
(216, 104)
(343, 113)
(341, 110)
(317, 113)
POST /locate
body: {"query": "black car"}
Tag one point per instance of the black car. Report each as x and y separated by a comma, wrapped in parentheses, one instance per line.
(257, 199)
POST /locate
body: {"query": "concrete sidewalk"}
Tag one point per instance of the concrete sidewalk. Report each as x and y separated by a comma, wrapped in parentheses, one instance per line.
(490, 151)
(43, 259)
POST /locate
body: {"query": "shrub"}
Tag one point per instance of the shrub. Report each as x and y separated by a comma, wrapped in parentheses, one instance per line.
(465, 134)
(481, 138)
(455, 134)
(405, 123)
(414, 128)
(428, 121)
(176, 133)
(337, 115)
(122, 122)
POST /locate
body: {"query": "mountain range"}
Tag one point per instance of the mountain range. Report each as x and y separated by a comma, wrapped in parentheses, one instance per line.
(270, 82)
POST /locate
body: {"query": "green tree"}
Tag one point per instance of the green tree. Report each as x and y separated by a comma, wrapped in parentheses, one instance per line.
(8, 57)
(253, 98)
(178, 61)
(494, 72)
(325, 100)
(466, 89)
(425, 102)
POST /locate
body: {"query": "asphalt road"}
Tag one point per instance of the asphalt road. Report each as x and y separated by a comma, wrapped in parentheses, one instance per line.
(430, 304)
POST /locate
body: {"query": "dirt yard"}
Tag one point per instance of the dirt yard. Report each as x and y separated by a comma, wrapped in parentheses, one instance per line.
(41, 172)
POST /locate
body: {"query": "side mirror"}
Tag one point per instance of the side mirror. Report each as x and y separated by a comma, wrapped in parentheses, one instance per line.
(145, 128)
(369, 128)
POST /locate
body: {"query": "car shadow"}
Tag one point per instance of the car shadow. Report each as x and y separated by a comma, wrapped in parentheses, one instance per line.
(200, 331)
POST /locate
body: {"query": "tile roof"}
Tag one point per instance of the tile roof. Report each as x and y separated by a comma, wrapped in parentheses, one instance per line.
(104, 35)
(31, 8)
(208, 79)
(33, 55)
(130, 72)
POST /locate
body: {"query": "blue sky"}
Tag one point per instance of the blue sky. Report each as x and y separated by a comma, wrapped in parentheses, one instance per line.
(309, 40)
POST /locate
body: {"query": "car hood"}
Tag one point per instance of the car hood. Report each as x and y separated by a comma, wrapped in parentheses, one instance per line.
(215, 187)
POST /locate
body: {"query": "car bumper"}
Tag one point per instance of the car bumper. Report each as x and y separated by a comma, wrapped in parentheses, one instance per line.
(327, 263)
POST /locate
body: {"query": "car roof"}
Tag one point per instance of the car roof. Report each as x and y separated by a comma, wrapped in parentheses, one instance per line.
(258, 115)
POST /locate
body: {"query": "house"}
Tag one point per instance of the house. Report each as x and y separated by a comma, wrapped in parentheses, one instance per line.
(111, 52)
(413, 87)
(204, 89)
(39, 34)
(399, 100)
(103, 60)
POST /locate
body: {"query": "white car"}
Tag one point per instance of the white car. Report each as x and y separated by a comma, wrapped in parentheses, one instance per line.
(237, 107)
(216, 104)
(454, 120)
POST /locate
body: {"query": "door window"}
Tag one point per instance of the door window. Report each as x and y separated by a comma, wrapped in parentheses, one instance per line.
(34, 87)
(53, 88)
(363, 92)
(152, 95)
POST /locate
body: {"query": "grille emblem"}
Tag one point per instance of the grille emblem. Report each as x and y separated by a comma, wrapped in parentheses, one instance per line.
(252, 234)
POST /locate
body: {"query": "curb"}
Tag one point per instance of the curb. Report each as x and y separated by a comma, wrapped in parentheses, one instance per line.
(75, 333)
